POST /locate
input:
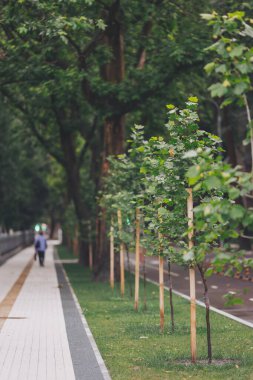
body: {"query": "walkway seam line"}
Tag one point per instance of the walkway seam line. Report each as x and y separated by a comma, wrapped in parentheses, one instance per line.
(96, 351)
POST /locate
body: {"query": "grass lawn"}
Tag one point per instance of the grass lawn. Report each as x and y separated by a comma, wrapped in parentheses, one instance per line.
(65, 253)
(133, 347)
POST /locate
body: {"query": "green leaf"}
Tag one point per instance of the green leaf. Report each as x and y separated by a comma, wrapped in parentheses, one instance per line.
(217, 89)
(237, 14)
(240, 88)
(237, 51)
(162, 211)
(212, 182)
(190, 154)
(193, 171)
(248, 31)
(234, 193)
(227, 102)
(193, 99)
(143, 170)
(207, 16)
(237, 212)
(244, 68)
(221, 69)
(209, 67)
(100, 24)
(170, 106)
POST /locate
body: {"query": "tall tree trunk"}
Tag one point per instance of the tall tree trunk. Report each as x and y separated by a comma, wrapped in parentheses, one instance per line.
(52, 225)
(114, 126)
(74, 189)
(229, 138)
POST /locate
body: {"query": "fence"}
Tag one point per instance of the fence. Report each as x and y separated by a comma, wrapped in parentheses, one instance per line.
(9, 243)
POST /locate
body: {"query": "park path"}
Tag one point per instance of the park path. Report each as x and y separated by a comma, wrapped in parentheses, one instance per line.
(42, 333)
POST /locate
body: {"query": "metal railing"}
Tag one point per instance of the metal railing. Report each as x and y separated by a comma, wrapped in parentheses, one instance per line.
(11, 242)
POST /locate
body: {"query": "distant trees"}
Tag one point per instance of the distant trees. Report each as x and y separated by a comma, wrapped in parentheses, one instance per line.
(23, 168)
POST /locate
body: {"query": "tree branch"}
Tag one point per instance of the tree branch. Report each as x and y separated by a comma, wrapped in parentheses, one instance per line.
(87, 141)
(45, 143)
(147, 27)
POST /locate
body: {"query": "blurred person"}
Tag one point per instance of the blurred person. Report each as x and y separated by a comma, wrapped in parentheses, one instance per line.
(40, 247)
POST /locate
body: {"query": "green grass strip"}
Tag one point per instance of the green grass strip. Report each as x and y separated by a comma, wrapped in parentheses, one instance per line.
(65, 253)
(133, 347)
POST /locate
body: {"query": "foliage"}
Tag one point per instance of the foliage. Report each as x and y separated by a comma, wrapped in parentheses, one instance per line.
(233, 62)
(122, 187)
(23, 173)
(185, 157)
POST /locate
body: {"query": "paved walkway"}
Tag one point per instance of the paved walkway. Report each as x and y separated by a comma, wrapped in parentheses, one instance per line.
(42, 333)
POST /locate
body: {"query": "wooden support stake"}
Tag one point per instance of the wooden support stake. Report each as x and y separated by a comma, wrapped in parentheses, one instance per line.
(161, 292)
(112, 255)
(122, 269)
(192, 278)
(137, 260)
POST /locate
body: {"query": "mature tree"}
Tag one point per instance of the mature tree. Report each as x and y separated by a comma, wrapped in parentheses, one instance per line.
(77, 70)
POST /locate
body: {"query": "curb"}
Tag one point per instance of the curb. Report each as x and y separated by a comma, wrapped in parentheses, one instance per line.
(200, 303)
(96, 351)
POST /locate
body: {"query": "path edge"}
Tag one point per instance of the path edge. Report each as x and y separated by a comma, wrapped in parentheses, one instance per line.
(200, 303)
(94, 346)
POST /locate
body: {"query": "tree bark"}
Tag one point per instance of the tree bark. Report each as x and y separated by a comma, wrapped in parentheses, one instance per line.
(74, 189)
(113, 128)
(229, 138)
(207, 303)
(52, 225)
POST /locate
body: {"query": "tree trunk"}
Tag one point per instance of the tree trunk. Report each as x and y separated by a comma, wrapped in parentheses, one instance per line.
(114, 125)
(74, 189)
(161, 293)
(112, 255)
(129, 272)
(52, 226)
(229, 138)
(137, 259)
(143, 260)
(208, 325)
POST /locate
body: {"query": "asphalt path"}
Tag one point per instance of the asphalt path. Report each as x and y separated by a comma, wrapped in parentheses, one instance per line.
(218, 285)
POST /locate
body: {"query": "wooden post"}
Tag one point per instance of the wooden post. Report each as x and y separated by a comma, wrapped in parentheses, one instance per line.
(192, 277)
(161, 292)
(161, 287)
(122, 268)
(90, 249)
(112, 255)
(137, 260)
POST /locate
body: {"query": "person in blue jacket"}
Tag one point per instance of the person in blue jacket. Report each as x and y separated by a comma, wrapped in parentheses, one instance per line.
(40, 247)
